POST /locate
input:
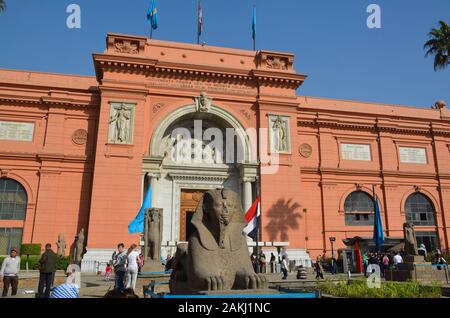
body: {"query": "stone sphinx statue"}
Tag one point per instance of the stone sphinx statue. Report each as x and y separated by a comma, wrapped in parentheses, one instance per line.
(217, 256)
(410, 239)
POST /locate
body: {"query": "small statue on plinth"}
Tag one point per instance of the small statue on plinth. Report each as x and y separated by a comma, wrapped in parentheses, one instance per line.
(78, 247)
(153, 227)
(61, 244)
(410, 239)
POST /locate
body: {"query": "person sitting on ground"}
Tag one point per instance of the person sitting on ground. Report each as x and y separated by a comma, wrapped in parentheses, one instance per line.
(69, 289)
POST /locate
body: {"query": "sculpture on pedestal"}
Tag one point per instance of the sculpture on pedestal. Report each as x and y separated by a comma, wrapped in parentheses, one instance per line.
(153, 239)
(80, 245)
(217, 256)
(61, 244)
(410, 239)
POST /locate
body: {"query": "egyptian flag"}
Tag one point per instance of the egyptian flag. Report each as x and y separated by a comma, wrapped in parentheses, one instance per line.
(252, 217)
(200, 18)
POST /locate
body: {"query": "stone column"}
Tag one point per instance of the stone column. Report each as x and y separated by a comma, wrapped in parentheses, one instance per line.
(152, 180)
(247, 185)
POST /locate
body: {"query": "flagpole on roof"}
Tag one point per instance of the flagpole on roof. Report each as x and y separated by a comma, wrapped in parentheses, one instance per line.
(254, 28)
(199, 21)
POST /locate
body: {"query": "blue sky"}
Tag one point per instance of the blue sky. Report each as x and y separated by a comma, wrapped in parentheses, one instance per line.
(342, 57)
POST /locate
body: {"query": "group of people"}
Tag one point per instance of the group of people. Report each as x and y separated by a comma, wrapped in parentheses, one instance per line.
(260, 264)
(391, 260)
(47, 268)
(127, 263)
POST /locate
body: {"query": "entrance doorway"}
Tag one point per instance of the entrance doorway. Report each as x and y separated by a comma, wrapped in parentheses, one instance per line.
(189, 201)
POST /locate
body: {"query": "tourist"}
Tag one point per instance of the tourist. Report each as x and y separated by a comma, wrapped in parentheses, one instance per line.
(10, 273)
(284, 267)
(262, 263)
(334, 266)
(169, 263)
(119, 263)
(272, 263)
(132, 268)
(318, 268)
(365, 262)
(108, 270)
(69, 289)
(47, 269)
(422, 250)
(385, 263)
(254, 260)
(440, 260)
(398, 259)
(141, 262)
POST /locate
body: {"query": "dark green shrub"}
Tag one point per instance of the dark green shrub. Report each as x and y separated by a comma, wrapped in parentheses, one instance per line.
(30, 249)
(62, 262)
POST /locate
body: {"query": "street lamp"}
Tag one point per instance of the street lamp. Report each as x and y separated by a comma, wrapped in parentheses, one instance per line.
(332, 240)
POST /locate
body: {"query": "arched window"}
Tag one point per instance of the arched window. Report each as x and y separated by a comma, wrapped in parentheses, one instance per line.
(419, 210)
(13, 200)
(13, 204)
(358, 209)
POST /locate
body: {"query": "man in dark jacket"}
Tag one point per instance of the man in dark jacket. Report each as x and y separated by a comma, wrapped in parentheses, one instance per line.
(47, 269)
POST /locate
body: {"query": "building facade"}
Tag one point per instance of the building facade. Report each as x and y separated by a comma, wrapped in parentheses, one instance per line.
(80, 152)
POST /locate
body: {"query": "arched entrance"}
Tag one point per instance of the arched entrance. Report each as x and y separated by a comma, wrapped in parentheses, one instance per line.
(191, 152)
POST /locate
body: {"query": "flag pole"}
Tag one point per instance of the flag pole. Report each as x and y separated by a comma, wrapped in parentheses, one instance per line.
(254, 28)
(375, 215)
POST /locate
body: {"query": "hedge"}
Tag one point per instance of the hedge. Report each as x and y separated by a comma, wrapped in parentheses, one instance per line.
(359, 289)
(62, 262)
(30, 249)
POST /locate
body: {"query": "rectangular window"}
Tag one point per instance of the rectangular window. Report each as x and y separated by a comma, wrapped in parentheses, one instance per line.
(355, 152)
(413, 155)
(10, 237)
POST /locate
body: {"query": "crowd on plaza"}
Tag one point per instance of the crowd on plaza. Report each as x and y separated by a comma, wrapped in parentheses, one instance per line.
(126, 264)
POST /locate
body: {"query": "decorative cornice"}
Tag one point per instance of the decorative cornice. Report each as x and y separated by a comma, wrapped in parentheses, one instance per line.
(374, 127)
(197, 178)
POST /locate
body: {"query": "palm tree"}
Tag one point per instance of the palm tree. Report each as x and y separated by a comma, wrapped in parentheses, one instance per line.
(2, 5)
(439, 46)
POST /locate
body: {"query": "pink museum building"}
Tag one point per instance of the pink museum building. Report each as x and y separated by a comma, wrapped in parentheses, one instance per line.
(79, 151)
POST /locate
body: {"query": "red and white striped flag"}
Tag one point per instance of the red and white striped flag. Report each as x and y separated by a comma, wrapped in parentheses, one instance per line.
(252, 218)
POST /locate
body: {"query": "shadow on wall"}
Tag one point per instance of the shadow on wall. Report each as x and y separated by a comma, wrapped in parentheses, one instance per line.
(282, 217)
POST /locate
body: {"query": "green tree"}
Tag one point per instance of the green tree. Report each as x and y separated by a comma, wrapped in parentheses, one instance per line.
(2, 5)
(439, 46)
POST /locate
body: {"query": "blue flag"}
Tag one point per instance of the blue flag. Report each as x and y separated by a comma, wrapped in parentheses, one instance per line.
(378, 235)
(137, 225)
(254, 24)
(152, 15)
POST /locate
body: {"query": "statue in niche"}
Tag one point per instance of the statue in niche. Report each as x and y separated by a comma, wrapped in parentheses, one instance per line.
(279, 127)
(410, 239)
(216, 257)
(121, 120)
(61, 244)
(203, 103)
